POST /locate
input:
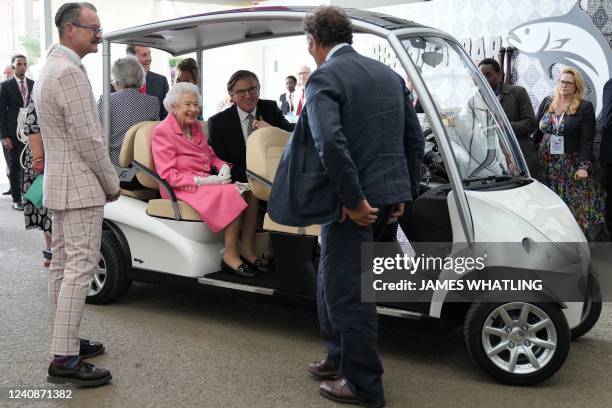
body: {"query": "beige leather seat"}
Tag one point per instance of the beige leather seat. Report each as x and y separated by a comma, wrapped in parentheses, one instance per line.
(137, 147)
(126, 156)
(264, 149)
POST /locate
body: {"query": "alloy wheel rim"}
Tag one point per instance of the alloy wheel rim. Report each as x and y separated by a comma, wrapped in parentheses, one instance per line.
(519, 338)
(99, 278)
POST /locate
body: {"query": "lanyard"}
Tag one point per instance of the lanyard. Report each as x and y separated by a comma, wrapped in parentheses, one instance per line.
(558, 122)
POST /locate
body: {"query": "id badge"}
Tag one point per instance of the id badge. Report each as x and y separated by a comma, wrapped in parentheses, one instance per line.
(556, 144)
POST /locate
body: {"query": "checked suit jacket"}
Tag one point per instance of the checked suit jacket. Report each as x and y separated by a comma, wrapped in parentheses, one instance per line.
(78, 171)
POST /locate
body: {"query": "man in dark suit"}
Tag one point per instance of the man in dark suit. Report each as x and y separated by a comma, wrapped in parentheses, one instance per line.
(156, 84)
(14, 95)
(516, 104)
(228, 131)
(287, 99)
(606, 148)
(371, 148)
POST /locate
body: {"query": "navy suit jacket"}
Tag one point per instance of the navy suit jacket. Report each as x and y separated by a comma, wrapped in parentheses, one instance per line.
(606, 122)
(227, 139)
(157, 85)
(10, 103)
(366, 135)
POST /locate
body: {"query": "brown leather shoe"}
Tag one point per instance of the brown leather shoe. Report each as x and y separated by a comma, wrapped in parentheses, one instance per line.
(323, 370)
(339, 391)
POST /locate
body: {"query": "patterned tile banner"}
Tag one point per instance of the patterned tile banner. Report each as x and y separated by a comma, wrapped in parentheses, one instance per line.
(547, 33)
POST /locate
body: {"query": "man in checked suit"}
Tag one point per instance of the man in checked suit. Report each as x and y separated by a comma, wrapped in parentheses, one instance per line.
(14, 95)
(79, 180)
(368, 138)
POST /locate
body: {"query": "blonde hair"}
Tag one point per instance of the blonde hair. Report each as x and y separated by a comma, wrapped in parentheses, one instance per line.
(580, 88)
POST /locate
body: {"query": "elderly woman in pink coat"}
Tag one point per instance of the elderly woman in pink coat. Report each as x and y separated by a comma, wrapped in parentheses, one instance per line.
(185, 160)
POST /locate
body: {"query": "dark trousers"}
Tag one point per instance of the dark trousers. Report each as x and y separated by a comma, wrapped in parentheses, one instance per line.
(15, 172)
(7, 159)
(349, 327)
(608, 186)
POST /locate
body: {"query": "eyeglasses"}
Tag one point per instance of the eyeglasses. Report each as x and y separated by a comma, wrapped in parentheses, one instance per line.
(95, 28)
(303, 73)
(568, 83)
(252, 91)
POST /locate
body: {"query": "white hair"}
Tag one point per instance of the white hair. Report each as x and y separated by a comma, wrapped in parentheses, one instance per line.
(174, 95)
(128, 73)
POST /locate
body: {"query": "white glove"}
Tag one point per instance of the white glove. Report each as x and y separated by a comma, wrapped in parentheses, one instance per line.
(224, 171)
(204, 181)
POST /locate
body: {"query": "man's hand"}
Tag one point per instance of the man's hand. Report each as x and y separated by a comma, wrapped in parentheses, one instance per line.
(113, 197)
(398, 212)
(259, 123)
(7, 143)
(362, 215)
(581, 174)
(38, 166)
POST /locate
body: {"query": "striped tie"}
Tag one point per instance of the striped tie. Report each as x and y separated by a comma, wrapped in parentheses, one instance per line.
(250, 127)
(24, 93)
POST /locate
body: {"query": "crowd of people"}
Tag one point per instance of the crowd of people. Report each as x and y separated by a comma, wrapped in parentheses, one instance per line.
(557, 142)
(64, 139)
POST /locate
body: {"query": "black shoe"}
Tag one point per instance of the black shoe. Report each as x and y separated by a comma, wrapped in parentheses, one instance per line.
(7, 192)
(90, 349)
(243, 270)
(258, 266)
(17, 206)
(85, 375)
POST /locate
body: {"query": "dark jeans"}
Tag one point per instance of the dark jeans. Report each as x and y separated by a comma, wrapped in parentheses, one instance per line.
(15, 172)
(349, 326)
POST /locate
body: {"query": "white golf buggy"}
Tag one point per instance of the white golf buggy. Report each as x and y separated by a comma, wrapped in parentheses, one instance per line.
(475, 189)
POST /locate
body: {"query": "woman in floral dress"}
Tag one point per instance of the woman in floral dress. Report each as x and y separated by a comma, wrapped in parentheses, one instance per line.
(34, 158)
(565, 137)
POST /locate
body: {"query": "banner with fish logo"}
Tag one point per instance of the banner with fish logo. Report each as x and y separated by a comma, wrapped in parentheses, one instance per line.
(571, 39)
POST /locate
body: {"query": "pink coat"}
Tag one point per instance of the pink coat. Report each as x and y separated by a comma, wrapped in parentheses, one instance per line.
(178, 160)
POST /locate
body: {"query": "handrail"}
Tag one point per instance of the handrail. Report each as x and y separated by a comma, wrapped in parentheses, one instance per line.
(164, 183)
(263, 180)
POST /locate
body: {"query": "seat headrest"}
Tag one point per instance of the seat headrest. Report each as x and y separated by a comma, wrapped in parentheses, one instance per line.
(142, 153)
(264, 149)
(126, 155)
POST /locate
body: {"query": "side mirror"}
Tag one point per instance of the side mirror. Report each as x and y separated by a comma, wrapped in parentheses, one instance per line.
(432, 58)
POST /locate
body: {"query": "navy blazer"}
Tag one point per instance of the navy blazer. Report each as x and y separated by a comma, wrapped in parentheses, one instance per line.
(226, 137)
(157, 85)
(10, 103)
(606, 123)
(367, 137)
(365, 129)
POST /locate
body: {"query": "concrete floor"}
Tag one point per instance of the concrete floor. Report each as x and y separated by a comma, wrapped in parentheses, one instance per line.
(168, 347)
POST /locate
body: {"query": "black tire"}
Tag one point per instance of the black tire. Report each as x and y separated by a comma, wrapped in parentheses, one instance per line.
(116, 282)
(591, 310)
(480, 314)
